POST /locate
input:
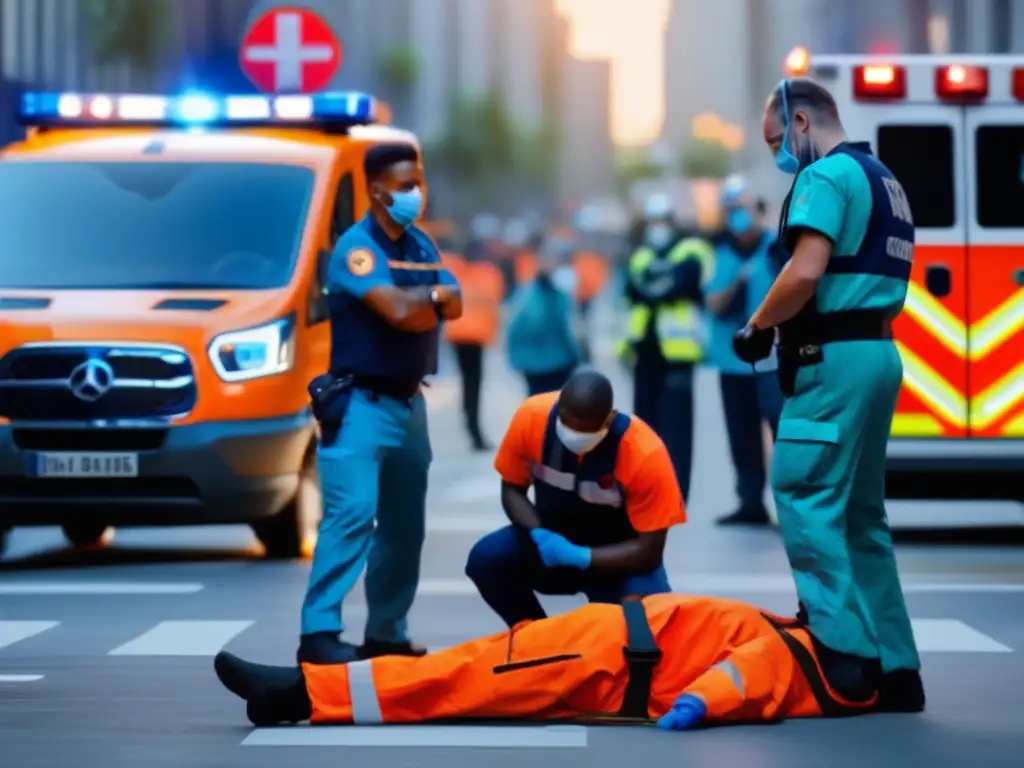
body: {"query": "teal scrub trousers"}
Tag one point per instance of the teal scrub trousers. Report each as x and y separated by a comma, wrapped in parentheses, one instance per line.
(375, 471)
(828, 479)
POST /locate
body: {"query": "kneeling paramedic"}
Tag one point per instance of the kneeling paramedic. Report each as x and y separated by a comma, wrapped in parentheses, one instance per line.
(684, 661)
(387, 295)
(848, 225)
(605, 497)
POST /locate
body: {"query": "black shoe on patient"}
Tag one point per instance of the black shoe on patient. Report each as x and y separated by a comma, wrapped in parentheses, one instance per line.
(273, 695)
(901, 690)
(325, 648)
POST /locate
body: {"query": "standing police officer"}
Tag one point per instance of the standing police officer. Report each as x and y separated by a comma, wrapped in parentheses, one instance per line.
(387, 294)
(848, 225)
(664, 289)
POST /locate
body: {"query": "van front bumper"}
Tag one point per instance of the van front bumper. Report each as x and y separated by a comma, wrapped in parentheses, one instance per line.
(197, 474)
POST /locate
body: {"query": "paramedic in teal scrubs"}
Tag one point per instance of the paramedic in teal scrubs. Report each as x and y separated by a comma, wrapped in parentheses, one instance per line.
(744, 271)
(387, 294)
(848, 225)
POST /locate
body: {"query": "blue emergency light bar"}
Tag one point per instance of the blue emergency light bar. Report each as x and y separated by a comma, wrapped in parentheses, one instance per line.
(197, 110)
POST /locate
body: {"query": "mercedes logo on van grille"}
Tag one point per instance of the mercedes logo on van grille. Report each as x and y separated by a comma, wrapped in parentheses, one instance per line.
(91, 380)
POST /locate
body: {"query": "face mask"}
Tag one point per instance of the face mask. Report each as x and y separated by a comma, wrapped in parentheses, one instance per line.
(405, 207)
(740, 221)
(658, 236)
(803, 153)
(578, 442)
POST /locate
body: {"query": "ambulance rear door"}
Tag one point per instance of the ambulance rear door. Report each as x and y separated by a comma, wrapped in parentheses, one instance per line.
(923, 144)
(994, 138)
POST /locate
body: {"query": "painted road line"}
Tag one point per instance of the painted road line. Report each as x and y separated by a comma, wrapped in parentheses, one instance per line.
(737, 585)
(422, 736)
(97, 588)
(953, 636)
(12, 632)
(20, 678)
(183, 638)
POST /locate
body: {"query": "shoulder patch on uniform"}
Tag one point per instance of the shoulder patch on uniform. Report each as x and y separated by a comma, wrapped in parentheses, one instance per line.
(360, 261)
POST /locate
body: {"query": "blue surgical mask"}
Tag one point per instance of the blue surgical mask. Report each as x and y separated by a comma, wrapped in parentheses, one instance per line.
(792, 161)
(740, 221)
(406, 207)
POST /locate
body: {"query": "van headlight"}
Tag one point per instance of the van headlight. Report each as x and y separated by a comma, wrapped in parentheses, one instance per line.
(253, 353)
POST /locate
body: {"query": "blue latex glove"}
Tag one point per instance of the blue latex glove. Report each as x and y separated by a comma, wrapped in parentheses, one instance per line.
(556, 550)
(688, 712)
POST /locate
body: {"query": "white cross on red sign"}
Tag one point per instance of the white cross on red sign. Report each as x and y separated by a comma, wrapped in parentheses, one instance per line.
(290, 50)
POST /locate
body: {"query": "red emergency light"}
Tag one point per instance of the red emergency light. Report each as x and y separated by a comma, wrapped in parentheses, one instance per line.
(879, 81)
(1018, 84)
(957, 82)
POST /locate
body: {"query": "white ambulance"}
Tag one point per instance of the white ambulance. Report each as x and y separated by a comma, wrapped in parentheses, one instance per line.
(951, 129)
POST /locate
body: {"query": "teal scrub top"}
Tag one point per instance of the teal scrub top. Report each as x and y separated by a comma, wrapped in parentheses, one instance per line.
(833, 196)
(721, 328)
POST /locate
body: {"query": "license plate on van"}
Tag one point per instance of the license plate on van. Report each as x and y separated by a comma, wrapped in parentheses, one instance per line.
(80, 465)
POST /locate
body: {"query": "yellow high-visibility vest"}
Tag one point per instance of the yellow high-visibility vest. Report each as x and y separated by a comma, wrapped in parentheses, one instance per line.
(677, 325)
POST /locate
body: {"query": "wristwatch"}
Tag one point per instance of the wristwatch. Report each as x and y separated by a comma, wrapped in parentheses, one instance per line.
(435, 297)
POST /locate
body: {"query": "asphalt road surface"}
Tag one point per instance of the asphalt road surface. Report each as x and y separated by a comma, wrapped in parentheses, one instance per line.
(105, 655)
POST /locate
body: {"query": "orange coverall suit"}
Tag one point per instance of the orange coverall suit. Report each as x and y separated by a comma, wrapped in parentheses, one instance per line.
(747, 666)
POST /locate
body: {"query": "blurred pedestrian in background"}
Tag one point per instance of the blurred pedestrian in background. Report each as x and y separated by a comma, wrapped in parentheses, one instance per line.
(663, 335)
(542, 344)
(744, 272)
(483, 288)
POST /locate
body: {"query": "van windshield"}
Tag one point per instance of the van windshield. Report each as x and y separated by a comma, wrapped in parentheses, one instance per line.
(150, 225)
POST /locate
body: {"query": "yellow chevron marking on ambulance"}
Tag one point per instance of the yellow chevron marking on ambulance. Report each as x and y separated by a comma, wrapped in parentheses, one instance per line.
(988, 406)
(993, 329)
(939, 394)
(1015, 427)
(976, 342)
(935, 318)
(915, 425)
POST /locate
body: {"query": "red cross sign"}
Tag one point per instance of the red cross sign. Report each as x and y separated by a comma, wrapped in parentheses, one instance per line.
(290, 50)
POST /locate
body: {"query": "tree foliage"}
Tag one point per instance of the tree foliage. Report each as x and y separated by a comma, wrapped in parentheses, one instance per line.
(706, 159)
(399, 67)
(635, 164)
(132, 31)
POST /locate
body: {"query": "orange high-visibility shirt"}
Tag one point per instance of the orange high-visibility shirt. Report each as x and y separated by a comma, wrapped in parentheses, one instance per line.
(643, 468)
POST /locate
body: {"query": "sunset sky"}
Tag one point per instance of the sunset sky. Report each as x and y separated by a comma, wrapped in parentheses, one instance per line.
(631, 34)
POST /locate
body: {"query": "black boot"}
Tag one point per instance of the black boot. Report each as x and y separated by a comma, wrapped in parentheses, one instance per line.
(853, 677)
(325, 648)
(742, 516)
(273, 695)
(901, 690)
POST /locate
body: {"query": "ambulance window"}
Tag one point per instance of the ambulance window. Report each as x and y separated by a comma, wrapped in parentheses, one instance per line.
(921, 157)
(344, 207)
(999, 156)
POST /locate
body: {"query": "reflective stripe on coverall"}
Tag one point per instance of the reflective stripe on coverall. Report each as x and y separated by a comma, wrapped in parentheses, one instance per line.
(741, 662)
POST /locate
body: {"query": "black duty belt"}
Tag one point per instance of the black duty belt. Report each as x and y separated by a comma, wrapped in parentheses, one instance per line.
(642, 656)
(387, 386)
(827, 327)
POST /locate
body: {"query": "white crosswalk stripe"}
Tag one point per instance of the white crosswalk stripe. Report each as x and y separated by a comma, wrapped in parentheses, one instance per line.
(183, 638)
(12, 632)
(437, 736)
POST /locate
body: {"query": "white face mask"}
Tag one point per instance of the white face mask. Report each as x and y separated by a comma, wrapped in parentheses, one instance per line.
(578, 442)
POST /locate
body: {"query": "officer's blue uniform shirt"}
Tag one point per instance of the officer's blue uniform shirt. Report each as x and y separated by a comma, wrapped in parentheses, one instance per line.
(852, 199)
(364, 258)
(729, 262)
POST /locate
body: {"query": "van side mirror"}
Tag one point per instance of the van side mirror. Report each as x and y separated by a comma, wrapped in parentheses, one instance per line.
(317, 310)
